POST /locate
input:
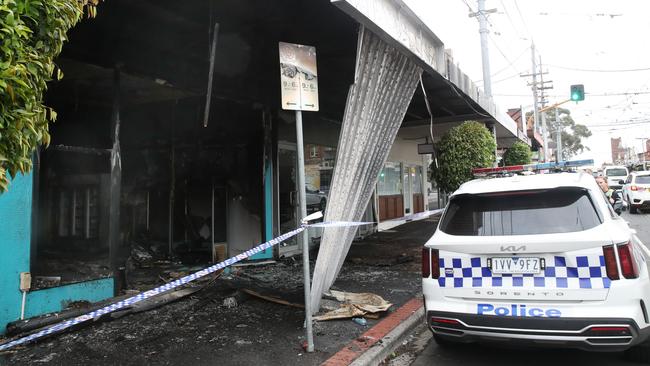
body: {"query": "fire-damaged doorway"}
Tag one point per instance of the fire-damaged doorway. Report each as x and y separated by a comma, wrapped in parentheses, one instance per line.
(145, 168)
(179, 183)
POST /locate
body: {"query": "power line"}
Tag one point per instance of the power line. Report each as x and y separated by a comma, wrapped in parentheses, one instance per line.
(512, 23)
(600, 94)
(508, 78)
(599, 70)
(523, 21)
(510, 63)
(468, 7)
(622, 123)
(507, 67)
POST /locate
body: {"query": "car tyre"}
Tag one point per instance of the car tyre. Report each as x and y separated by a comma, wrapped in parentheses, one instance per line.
(639, 353)
(633, 209)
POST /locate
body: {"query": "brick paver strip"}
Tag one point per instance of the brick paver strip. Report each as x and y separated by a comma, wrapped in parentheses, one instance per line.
(358, 346)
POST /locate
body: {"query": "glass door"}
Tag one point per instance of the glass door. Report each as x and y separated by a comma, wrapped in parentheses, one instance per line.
(287, 196)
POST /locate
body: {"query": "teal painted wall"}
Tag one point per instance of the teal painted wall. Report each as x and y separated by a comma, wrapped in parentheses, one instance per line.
(15, 239)
(268, 210)
(57, 298)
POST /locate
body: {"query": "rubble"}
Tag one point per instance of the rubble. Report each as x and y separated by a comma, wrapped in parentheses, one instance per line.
(200, 326)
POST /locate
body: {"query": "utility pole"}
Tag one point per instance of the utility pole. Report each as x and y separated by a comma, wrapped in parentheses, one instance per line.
(534, 88)
(483, 30)
(538, 99)
(558, 128)
(541, 88)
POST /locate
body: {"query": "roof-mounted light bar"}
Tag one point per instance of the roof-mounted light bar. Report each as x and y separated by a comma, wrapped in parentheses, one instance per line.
(532, 167)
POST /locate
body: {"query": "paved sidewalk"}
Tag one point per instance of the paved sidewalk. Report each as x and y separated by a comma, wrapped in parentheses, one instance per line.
(210, 328)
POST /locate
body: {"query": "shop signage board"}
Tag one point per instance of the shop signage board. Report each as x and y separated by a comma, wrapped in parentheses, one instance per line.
(298, 77)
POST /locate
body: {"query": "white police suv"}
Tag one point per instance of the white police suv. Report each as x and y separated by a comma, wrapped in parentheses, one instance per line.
(539, 259)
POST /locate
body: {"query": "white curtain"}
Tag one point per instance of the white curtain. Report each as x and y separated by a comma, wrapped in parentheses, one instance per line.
(377, 102)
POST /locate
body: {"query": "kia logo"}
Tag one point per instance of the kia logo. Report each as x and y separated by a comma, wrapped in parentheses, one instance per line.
(512, 248)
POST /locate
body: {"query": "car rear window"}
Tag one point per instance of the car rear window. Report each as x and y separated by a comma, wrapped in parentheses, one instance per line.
(615, 172)
(642, 179)
(558, 210)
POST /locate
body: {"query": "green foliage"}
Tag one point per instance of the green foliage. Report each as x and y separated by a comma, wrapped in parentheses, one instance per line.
(572, 132)
(463, 148)
(32, 33)
(519, 153)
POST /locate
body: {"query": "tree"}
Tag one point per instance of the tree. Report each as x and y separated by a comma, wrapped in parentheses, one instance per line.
(572, 133)
(461, 149)
(518, 154)
(32, 33)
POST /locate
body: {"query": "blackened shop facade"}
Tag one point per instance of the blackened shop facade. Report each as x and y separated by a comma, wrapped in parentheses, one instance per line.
(167, 152)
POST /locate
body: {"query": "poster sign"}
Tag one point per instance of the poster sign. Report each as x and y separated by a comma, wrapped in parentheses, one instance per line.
(298, 77)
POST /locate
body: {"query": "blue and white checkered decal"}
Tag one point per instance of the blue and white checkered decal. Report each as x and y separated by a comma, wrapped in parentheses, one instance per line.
(576, 272)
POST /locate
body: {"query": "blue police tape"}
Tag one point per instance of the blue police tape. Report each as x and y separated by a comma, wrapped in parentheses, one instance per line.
(158, 290)
(185, 280)
(417, 216)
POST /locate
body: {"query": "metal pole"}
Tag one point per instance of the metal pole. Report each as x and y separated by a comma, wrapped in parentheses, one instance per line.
(544, 139)
(172, 189)
(304, 237)
(485, 56)
(116, 176)
(534, 88)
(558, 128)
(212, 224)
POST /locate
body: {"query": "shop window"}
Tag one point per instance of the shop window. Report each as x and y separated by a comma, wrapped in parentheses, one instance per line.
(390, 180)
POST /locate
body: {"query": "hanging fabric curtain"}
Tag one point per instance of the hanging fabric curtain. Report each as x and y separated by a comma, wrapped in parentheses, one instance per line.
(385, 81)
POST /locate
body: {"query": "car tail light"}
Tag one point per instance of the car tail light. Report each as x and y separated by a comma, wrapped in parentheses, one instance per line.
(634, 188)
(426, 262)
(445, 321)
(628, 263)
(430, 263)
(435, 263)
(610, 262)
(610, 330)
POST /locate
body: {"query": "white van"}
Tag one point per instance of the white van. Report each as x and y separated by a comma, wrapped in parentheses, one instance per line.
(615, 174)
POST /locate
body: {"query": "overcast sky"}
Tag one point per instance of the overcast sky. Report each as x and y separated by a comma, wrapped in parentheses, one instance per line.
(593, 42)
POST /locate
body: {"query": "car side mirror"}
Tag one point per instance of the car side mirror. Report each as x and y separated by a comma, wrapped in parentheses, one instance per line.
(621, 181)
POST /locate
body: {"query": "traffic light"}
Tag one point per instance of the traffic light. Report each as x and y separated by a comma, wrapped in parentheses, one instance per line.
(577, 92)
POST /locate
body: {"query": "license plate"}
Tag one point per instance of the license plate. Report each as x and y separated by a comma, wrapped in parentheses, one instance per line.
(516, 265)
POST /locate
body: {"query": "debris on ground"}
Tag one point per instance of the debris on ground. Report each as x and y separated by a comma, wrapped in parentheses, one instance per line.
(355, 305)
(273, 299)
(360, 321)
(142, 257)
(199, 326)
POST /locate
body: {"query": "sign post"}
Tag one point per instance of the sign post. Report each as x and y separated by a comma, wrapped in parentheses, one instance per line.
(299, 84)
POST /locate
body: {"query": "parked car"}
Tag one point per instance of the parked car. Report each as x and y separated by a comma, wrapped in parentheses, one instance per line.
(316, 199)
(636, 190)
(541, 260)
(614, 174)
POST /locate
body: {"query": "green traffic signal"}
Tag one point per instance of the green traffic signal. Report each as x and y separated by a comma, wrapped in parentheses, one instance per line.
(577, 92)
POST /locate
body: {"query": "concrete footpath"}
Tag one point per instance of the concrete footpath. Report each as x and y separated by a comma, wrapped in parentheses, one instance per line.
(221, 323)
